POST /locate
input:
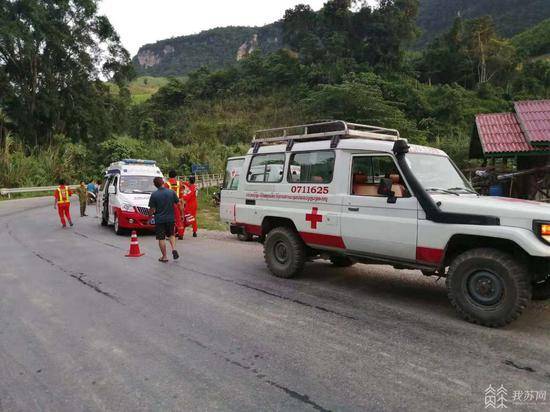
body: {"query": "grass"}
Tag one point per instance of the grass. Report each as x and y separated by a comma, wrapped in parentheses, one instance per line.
(143, 87)
(208, 215)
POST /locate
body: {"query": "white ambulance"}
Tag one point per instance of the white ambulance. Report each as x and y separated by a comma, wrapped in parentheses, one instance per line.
(123, 199)
(354, 193)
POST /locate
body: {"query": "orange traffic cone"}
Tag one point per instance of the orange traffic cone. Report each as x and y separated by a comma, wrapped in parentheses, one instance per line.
(134, 246)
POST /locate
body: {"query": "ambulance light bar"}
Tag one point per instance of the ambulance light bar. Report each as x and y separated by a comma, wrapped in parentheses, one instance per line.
(139, 162)
(324, 131)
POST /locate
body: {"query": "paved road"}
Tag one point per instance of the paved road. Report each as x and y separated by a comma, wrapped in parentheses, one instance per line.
(82, 328)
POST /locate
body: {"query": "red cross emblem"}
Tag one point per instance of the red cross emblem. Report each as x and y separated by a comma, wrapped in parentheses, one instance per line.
(314, 217)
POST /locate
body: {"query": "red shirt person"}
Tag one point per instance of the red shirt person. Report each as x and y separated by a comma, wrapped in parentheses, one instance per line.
(191, 204)
(177, 186)
(63, 202)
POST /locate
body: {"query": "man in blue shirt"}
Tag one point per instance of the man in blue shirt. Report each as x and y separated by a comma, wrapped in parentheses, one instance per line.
(161, 206)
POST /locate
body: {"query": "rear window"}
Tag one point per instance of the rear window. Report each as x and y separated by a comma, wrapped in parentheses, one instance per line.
(311, 167)
(266, 168)
(233, 172)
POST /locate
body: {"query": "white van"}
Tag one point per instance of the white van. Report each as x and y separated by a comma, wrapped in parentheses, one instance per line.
(123, 199)
(356, 193)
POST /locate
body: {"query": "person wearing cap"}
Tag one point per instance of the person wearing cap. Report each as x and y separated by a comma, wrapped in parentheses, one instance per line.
(82, 192)
(161, 206)
(62, 202)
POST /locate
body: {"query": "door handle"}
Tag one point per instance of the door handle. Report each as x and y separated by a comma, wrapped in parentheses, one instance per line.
(353, 209)
(250, 202)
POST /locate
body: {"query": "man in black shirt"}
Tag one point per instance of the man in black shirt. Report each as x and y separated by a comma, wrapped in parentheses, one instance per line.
(161, 206)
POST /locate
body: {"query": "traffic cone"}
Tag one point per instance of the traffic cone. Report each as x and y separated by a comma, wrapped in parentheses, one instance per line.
(134, 246)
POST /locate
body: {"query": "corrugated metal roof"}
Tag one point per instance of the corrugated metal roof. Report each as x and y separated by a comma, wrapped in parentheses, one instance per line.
(501, 133)
(534, 119)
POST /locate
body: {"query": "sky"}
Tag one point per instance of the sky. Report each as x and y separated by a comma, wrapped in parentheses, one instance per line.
(140, 22)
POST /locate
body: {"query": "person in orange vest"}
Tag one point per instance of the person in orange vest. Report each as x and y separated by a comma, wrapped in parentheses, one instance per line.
(62, 202)
(177, 186)
(191, 205)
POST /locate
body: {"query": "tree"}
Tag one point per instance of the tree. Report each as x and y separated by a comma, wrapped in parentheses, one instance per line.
(53, 58)
(470, 54)
(352, 30)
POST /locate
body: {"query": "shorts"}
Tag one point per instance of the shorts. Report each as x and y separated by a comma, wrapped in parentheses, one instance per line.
(164, 230)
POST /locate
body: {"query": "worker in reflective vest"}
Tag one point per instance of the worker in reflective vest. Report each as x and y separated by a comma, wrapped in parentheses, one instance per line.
(191, 204)
(177, 186)
(62, 203)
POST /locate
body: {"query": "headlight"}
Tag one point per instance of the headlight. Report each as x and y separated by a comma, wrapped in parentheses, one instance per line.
(127, 207)
(542, 230)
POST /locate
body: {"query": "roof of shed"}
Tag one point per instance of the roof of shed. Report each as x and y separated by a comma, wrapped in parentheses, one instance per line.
(508, 134)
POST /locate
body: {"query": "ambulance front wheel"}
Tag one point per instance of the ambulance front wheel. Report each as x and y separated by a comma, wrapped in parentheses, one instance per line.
(284, 252)
(118, 230)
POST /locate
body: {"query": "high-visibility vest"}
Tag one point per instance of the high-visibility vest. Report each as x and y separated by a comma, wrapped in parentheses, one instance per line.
(177, 186)
(60, 199)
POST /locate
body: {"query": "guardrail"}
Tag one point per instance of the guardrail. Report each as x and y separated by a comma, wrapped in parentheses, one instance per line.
(11, 191)
(202, 181)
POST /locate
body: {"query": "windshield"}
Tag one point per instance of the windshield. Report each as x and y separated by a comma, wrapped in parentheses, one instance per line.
(137, 184)
(437, 173)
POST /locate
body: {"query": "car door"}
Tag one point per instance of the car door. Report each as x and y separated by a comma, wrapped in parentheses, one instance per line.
(113, 200)
(370, 225)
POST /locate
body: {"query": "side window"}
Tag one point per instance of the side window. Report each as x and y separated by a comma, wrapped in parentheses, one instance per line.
(367, 172)
(233, 172)
(266, 168)
(311, 167)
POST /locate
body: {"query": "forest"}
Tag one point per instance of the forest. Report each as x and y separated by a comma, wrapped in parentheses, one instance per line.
(66, 107)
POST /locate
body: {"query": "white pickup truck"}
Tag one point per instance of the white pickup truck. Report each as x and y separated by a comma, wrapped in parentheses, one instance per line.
(354, 193)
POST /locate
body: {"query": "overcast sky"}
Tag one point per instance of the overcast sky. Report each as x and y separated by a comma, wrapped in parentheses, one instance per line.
(139, 22)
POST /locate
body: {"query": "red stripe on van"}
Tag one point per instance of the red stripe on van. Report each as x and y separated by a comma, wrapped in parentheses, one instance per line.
(429, 255)
(323, 240)
(253, 229)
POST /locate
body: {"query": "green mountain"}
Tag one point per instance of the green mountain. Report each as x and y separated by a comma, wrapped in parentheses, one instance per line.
(534, 41)
(222, 46)
(510, 16)
(214, 49)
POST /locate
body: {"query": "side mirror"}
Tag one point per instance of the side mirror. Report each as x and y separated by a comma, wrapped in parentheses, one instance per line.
(112, 190)
(384, 189)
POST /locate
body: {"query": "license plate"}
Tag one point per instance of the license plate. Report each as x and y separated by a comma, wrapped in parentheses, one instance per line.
(152, 221)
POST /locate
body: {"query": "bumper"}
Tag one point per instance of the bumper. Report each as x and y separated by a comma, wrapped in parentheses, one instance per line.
(134, 220)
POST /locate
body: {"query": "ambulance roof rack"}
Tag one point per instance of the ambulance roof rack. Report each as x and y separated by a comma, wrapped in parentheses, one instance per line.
(333, 130)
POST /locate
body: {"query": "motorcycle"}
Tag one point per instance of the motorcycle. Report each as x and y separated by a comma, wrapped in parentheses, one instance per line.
(92, 198)
(216, 197)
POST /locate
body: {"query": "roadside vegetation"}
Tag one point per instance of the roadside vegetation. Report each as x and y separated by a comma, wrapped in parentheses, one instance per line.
(341, 62)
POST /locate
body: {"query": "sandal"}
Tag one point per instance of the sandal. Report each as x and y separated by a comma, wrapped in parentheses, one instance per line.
(175, 254)
(163, 260)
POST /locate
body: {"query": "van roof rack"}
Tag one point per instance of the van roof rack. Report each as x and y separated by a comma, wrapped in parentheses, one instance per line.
(333, 130)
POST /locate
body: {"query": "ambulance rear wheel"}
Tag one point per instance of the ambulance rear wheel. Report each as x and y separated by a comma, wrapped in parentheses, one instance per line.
(284, 252)
(245, 237)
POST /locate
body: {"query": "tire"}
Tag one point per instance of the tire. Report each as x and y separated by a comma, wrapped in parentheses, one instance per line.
(118, 230)
(284, 252)
(245, 237)
(342, 261)
(541, 290)
(488, 287)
